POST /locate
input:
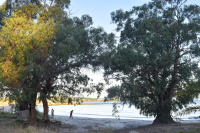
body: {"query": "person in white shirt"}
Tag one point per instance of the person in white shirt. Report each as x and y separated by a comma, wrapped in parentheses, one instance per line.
(52, 112)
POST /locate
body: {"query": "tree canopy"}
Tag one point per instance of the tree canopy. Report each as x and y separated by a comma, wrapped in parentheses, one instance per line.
(43, 51)
(155, 58)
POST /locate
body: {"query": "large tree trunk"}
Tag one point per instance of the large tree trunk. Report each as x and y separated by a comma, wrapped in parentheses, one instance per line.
(163, 118)
(46, 110)
(44, 101)
(164, 112)
(33, 118)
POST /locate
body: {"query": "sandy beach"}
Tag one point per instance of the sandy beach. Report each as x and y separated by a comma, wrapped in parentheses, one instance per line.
(96, 123)
(84, 124)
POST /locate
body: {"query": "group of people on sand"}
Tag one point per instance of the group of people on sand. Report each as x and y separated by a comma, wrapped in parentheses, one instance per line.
(71, 112)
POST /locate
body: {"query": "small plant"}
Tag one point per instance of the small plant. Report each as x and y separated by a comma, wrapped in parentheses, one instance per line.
(198, 129)
(2, 110)
(96, 125)
(115, 111)
(89, 127)
(19, 121)
(107, 130)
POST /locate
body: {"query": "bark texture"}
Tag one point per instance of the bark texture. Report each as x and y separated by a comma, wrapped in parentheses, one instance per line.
(33, 118)
(164, 111)
(46, 110)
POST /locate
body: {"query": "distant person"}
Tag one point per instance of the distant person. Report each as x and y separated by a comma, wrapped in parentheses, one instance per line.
(29, 107)
(52, 112)
(71, 114)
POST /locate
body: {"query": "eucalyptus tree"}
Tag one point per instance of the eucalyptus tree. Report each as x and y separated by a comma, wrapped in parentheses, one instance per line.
(30, 33)
(155, 58)
(34, 40)
(47, 46)
(75, 46)
(22, 41)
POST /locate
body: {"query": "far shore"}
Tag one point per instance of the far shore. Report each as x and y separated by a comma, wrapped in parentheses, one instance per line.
(51, 104)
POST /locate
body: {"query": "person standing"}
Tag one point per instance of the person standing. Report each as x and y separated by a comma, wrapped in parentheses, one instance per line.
(71, 114)
(29, 107)
(52, 112)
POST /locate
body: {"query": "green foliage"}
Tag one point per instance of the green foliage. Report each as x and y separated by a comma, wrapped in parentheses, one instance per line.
(115, 111)
(2, 110)
(19, 121)
(154, 57)
(43, 50)
(22, 40)
(188, 110)
(191, 90)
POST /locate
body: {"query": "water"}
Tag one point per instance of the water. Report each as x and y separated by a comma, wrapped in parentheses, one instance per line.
(105, 111)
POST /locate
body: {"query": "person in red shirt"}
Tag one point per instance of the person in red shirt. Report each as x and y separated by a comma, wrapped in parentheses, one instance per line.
(71, 114)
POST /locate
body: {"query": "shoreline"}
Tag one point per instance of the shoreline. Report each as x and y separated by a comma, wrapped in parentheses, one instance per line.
(64, 118)
(98, 123)
(74, 104)
(40, 104)
(87, 124)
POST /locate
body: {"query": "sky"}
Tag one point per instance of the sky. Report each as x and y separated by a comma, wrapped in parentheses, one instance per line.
(100, 11)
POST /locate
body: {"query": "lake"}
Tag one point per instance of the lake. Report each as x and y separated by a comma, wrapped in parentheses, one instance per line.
(105, 111)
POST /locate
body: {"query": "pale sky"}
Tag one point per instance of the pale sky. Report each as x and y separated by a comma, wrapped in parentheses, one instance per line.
(100, 11)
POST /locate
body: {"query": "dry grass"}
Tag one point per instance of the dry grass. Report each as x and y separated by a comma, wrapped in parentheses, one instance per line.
(10, 124)
(164, 128)
(15, 128)
(102, 130)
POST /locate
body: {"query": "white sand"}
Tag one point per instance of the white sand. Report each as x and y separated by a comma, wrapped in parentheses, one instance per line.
(102, 122)
(83, 124)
